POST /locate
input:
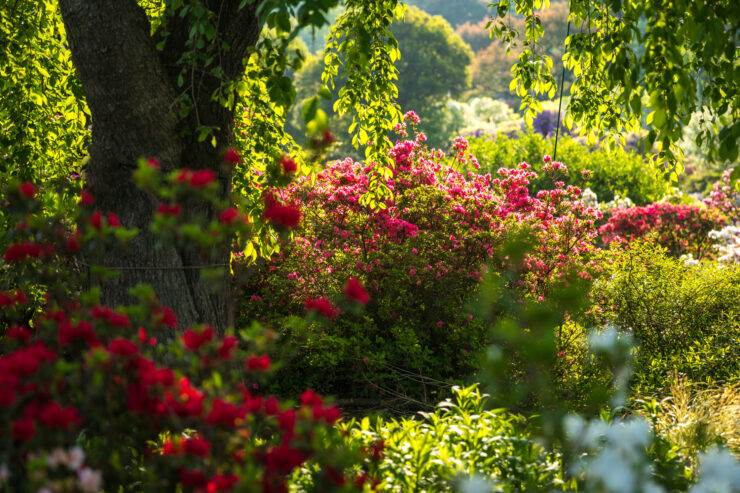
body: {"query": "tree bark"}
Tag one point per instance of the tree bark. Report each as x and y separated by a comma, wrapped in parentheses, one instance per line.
(131, 89)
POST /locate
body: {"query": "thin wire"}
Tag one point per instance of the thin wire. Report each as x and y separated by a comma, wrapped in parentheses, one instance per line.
(560, 102)
(183, 267)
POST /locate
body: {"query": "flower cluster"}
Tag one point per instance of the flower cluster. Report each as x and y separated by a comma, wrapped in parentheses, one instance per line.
(420, 257)
(185, 415)
(680, 228)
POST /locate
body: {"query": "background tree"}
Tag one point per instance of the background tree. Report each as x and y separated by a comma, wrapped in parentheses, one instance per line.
(455, 12)
(434, 66)
(435, 61)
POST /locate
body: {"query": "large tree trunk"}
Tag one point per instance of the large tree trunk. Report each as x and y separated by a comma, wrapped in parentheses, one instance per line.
(131, 90)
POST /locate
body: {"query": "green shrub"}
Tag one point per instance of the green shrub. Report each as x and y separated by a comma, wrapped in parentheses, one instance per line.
(685, 318)
(620, 172)
(459, 440)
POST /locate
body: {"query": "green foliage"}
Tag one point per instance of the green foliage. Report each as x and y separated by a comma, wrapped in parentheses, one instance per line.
(618, 172)
(43, 115)
(492, 73)
(461, 439)
(684, 318)
(362, 44)
(689, 62)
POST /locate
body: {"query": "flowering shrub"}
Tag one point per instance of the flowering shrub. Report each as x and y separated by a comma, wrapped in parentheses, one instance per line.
(420, 258)
(91, 400)
(681, 229)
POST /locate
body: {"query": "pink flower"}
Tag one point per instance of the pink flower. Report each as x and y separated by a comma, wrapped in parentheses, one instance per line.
(354, 291)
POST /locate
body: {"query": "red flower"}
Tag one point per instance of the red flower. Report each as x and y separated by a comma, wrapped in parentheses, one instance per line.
(202, 178)
(354, 291)
(194, 340)
(152, 162)
(53, 415)
(73, 243)
(288, 165)
(283, 459)
(224, 413)
(311, 398)
(27, 189)
(327, 137)
(166, 317)
(258, 363)
(21, 251)
(113, 220)
(286, 421)
(284, 216)
(19, 334)
(192, 479)
(86, 198)
(23, 429)
(169, 210)
(82, 331)
(196, 446)
(222, 482)
(96, 219)
(335, 476)
(227, 345)
(321, 306)
(329, 414)
(232, 157)
(122, 347)
(228, 216)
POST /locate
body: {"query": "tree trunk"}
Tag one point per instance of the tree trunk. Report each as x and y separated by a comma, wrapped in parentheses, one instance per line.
(131, 90)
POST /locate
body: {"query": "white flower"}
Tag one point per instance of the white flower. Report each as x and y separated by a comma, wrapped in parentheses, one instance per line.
(89, 481)
(719, 472)
(56, 457)
(4, 473)
(76, 457)
(476, 484)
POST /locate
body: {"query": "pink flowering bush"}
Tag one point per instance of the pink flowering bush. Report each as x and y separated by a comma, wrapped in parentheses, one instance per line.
(420, 258)
(98, 398)
(680, 228)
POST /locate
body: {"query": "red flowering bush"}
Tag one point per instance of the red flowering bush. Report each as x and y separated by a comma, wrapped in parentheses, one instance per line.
(680, 228)
(420, 259)
(90, 400)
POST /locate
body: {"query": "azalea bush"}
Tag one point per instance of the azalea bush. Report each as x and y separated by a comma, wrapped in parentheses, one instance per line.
(680, 228)
(106, 398)
(420, 258)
